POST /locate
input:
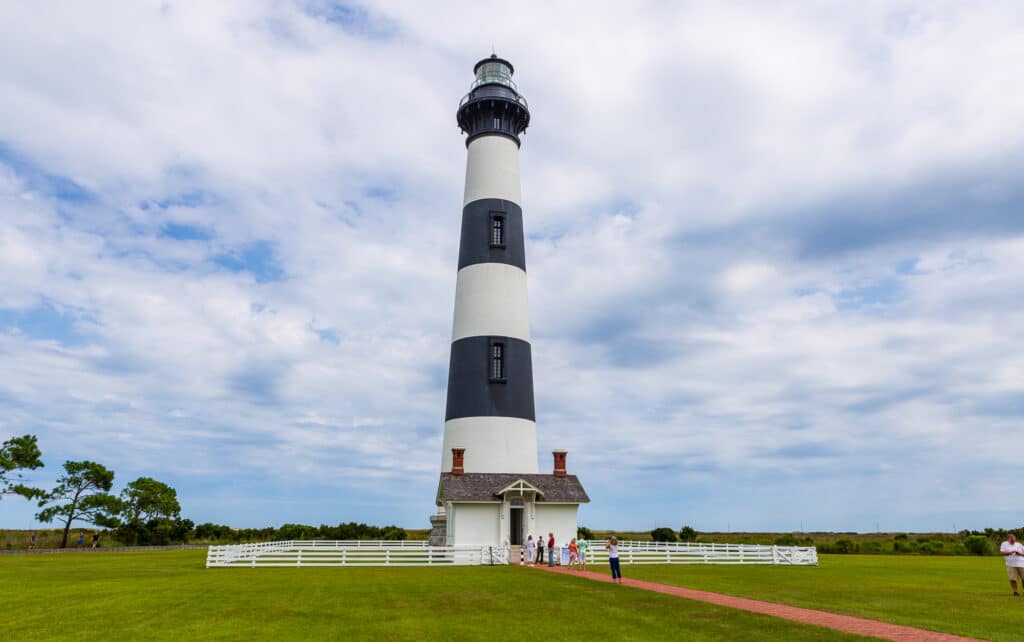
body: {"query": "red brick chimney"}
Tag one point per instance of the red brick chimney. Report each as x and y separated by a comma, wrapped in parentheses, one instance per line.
(559, 462)
(457, 461)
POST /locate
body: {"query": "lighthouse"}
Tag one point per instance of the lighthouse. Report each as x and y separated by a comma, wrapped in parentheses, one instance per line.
(491, 491)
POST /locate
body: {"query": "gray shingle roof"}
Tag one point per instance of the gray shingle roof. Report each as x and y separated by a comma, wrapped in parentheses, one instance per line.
(485, 486)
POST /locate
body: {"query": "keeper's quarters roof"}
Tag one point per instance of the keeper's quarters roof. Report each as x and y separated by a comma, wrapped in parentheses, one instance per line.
(477, 487)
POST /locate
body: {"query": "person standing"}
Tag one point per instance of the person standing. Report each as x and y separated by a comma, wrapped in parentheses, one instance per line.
(1013, 551)
(551, 550)
(540, 549)
(531, 550)
(584, 546)
(612, 546)
(32, 542)
(95, 539)
(81, 539)
(574, 553)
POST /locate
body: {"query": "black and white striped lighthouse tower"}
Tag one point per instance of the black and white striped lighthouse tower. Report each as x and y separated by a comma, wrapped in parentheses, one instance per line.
(490, 412)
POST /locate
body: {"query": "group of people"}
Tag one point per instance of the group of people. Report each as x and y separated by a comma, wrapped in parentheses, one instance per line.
(577, 553)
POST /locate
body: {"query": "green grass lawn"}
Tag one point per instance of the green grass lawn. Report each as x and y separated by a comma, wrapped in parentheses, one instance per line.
(170, 595)
(964, 595)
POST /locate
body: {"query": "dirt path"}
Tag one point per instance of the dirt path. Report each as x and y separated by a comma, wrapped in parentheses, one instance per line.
(847, 623)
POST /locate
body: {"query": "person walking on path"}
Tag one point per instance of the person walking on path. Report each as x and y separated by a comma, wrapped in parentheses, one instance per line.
(551, 550)
(612, 546)
(1013, 551)
(81, 539)
(574, 553)
(584, 546)
(95, 539)
(32, 542)
(531, 550)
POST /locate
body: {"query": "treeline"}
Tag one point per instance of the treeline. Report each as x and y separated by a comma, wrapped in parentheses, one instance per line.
(145, 512)
(966, 542)
(220, 534)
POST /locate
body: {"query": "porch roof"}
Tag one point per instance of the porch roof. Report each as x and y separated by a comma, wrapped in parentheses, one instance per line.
(490, 486)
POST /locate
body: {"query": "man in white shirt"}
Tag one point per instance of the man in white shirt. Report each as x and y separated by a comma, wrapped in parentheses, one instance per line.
(1013, 551)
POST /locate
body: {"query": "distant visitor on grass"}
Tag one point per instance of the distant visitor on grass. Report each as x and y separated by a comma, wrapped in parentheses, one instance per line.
(1013, 551)
(612, 546)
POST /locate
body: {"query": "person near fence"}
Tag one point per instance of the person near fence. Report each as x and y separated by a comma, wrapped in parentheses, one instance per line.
(574, 553)
(612, 546)
(32, 542)
(81, 539)
(95, 539)
(531, 550)
(1013, 551)
(583, 546)
(551, 550)
(540, 549)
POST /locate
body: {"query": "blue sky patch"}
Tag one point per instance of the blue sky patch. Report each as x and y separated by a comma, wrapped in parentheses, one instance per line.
(185, 232)
(351, 18)
(257, 257)
(37, 179)
(45, 322)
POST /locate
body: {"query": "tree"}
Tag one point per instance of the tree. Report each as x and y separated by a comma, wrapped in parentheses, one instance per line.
(583, 532)
(84, 486)
(18, 454)
(663, 534)
(149, 512)
(687, 534)
(147, 499)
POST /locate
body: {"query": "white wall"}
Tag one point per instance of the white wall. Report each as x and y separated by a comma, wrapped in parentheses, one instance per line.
(492, 170)
(557, 518)
(490, 300)
(475, 524)
(493, 444)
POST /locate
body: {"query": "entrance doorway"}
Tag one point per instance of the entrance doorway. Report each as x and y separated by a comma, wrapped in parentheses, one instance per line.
(515, 524)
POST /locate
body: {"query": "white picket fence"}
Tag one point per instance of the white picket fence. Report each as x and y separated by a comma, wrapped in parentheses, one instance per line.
(635, 552)
(418, 553)
(352, 553)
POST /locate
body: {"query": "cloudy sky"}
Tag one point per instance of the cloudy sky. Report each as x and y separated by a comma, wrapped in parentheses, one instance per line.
(776, 255)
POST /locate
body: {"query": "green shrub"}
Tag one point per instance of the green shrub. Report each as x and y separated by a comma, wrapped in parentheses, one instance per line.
(845, 546)
(787, 540)
(664, 535)
(583, 532)
(871, 547)
(977, 545)
(687, 534)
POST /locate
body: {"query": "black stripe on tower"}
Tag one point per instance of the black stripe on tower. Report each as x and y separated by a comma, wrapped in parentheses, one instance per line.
(492, 232)
(475, 391)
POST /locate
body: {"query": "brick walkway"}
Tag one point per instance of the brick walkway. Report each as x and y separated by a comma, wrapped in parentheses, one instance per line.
(847, 623)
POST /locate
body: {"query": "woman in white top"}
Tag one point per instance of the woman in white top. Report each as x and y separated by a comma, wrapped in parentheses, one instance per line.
(531, 550)
(612, 546)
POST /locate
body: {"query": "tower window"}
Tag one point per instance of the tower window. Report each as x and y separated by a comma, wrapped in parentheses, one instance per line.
(497, 122)
(497, 362)
(497, 230)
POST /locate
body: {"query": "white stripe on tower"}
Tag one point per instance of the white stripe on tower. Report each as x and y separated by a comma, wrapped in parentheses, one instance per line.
(490, 300)
(492, 170)
(491, 415)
